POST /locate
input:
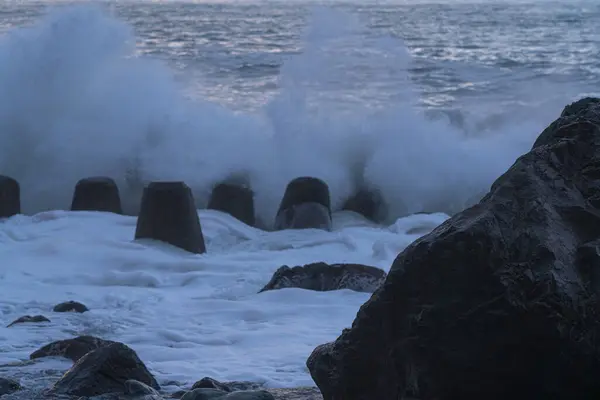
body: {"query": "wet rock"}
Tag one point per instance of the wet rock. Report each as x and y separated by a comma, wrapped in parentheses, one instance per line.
(29, 319)
(72, 349)
(211, 383)
(98, 193)
(70, 306)
(104, 370)
(208, 394)
(168, 213)
(10, 197)
(203, 394)
(137, 388)
(500, 301)
(235, 200)
(324, 277)
(8, 386)
(305, 204)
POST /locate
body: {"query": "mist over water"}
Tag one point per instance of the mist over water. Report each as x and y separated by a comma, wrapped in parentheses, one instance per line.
(76, 101)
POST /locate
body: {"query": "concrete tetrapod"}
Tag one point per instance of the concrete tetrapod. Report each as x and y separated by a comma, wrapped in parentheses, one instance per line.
(235, 200)
(10, 197)
(305, 204)
(97, 194)
(168, 213)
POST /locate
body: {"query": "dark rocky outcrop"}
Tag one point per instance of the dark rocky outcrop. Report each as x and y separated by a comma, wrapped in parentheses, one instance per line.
(235, 200)
(104, 370)
(8, 386)
(10, 197)
(168, 213)
(324, 277)
(368, 203)
(97, 193)
(575, 116)
(72, 349)
(70, 306)
(29, 319)
(498, 302)
(305, 204)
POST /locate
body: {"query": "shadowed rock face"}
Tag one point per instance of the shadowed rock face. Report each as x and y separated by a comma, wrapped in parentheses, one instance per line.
(104, 370)
(498, 302)
(324, 277)
(235, 200)
(305, 204)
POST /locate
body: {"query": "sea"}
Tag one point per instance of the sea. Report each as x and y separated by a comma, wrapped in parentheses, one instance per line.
(424, 102)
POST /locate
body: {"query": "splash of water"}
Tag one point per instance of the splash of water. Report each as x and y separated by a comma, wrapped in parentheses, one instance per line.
(75, 102)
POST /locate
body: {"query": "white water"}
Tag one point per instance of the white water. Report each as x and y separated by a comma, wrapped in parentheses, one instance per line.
(186, 316)
(75, 102)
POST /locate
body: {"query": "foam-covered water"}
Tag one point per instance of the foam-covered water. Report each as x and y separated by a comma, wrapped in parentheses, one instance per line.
(426, 103)
(187, 316)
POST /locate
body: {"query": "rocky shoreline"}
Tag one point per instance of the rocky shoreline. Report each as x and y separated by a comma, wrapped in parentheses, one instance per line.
(98, 377)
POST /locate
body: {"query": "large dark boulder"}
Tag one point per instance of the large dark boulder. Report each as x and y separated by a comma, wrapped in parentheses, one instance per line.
(235, 200)
(104, 370)
(168, 213)
(72, 349)
(324, 277)
(10, 197)
(498, 302)
(306, 204)
(98, 193)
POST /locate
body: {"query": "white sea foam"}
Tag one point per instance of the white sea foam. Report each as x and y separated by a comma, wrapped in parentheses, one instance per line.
(187, 316)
